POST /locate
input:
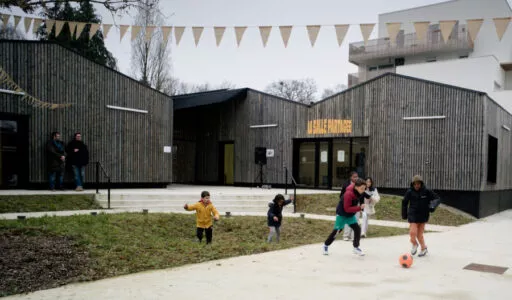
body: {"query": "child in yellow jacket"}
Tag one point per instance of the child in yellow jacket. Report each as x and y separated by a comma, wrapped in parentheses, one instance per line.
(204, 211)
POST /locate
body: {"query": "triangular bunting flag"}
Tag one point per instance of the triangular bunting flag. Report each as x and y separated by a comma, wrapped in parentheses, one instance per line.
(58, 27)
(5, 19)
(474, 27)
(501, 25)
(197, 31)
(366, 30)
(123, 29)
(106, 30)
(178, 33)
(27, 22)
(313, 31)
(265, 33)
(166, 30)
(94, 28)
(72, 27)
(17, 20)
(421, 30)
(135, 32)
(446, 29)
(79, 29)
(341, 32)
(286, 31)
(49, 25)
(219, 33)
(36, 25)
(239, 33)
(149, 33)
(393, 29)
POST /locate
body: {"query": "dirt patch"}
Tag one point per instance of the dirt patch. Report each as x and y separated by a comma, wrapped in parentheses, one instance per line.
(33, 261)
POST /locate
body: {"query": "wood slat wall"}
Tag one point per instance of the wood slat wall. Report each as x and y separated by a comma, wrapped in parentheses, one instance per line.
(129, 145)
(496, 117)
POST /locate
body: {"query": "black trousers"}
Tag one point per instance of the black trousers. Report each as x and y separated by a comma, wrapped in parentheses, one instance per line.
(209, 234)
(357, 235)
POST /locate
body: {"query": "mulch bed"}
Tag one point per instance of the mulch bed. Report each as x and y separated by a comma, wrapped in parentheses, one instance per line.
(33, 261)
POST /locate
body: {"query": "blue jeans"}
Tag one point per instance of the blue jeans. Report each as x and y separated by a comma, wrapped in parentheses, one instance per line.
(53, 176)
(79, 175)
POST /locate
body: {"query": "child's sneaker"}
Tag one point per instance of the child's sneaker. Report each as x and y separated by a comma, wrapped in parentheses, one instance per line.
(423, 252)
(326, 250)
(363, 235)
(346, 238)
(358, 251)
(414, 249)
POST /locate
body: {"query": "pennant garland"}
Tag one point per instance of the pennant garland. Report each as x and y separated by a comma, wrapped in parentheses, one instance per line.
(31, 100)
(421, 29)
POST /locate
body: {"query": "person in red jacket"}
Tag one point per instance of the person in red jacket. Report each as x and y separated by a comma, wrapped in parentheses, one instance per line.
(345, 214)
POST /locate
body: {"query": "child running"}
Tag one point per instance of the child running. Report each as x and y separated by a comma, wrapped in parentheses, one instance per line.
(275, 216)
(345, 214)
(204, 211)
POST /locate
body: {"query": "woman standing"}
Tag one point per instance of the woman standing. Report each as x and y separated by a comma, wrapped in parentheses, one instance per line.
(371, 198)
(416, 208)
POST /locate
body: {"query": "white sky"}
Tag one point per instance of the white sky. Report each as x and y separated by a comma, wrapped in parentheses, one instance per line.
(251, 65)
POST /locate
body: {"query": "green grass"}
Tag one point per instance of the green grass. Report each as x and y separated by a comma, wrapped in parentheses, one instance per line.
(389, 208)
(35, 203)
(120, 244)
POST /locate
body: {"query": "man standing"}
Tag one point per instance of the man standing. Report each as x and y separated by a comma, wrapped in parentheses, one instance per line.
(78, 157)
(56, 159)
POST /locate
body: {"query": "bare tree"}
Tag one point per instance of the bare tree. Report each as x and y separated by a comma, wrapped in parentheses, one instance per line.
(151, 60)
(29, 6)
(329, 92)
(10, 33)
(297, 90)
(175, 86)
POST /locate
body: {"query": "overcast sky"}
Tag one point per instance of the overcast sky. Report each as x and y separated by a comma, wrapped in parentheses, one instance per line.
(251, 65)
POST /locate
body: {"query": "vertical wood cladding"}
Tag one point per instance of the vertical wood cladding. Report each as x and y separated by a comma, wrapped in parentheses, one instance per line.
(129, 144)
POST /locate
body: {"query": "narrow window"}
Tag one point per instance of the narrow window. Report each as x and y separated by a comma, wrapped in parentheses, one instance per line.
(492, 159)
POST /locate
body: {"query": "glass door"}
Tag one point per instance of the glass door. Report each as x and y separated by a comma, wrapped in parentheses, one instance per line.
(340, 162)
(307, 164)
(323, 165)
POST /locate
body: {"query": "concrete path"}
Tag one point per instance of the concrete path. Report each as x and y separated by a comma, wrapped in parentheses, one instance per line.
(304, 273)
(14, 216)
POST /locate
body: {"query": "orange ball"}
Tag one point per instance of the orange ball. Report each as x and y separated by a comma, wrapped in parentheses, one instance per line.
(405, 260)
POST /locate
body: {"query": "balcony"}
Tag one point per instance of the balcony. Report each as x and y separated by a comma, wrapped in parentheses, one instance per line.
(408, 45)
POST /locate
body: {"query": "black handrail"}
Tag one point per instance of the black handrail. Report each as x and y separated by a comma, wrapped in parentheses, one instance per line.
(294, 184)
(99, 167)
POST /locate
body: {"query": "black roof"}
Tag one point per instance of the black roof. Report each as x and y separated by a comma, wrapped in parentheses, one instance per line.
(207, 98)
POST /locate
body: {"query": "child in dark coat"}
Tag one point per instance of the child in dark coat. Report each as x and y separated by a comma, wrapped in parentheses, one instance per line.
(275, 216)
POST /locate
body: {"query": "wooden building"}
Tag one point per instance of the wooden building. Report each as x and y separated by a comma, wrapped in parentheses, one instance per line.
(389, 128)
(125, 124)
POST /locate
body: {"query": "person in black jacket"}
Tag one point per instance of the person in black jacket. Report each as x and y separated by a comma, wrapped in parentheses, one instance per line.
(78, 157)
(275, 216)
(416, 208)
(56, 157)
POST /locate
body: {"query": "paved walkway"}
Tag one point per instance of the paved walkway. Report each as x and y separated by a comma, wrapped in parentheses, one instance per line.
(13, 216)
(304, 273)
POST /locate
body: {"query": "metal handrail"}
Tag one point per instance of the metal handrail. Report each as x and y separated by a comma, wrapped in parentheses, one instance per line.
(99, 167)
(294, 184)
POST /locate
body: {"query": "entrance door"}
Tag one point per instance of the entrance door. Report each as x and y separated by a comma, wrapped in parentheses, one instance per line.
(13, 152)
(227, 163)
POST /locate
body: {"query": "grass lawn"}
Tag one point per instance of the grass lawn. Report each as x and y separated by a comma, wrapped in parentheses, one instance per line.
(34, 203)
(388, 208)
(93, 247)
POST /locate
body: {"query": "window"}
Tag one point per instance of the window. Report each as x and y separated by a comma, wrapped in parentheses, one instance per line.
(431, 59)
(492, 159)
(463, 56)
(372, 69)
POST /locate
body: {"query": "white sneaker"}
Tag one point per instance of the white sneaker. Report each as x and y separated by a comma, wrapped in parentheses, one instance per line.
(358, 251)
(346, 238)
(414, 249)
(326, 250)
(363, 235)
(423, 252)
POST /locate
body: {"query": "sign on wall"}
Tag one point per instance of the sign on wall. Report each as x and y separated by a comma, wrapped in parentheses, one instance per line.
(329, 126)
(270, 152)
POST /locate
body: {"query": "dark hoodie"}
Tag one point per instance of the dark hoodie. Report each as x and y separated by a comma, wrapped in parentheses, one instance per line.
(79, 158)
(276, 211)
(416, 204)
(349, 204)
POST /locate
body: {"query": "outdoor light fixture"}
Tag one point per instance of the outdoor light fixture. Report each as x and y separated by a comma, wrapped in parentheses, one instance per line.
(505, 127)
(263, 126)
(425, 118)
(127, 109)
(12, 92)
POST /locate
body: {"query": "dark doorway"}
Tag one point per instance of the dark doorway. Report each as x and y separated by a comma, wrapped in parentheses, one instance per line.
(13, 151)
(227, 163)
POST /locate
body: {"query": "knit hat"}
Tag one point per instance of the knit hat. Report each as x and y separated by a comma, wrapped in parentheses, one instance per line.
(417, 178)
